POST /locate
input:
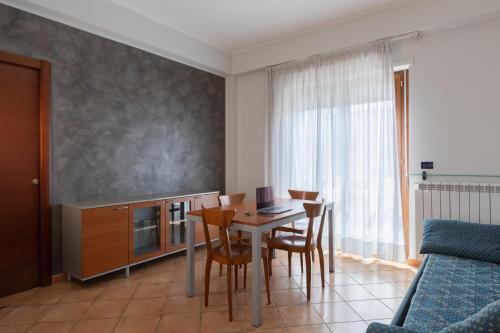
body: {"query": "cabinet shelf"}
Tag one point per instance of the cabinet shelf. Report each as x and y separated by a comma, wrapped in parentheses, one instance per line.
(178, 222)
(146, 228)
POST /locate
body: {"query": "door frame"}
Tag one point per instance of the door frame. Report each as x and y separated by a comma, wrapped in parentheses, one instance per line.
(44, 69)
(401, 85)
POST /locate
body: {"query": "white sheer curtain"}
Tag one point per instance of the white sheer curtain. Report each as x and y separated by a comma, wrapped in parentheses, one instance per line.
(333, 129)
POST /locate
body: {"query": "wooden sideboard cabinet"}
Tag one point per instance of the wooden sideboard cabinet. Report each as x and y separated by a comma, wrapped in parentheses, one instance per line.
(104, 236)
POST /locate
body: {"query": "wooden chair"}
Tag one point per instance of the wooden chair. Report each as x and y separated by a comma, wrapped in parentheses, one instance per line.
(303, 244)
(228, 253)
(302, 195)
(231, 199)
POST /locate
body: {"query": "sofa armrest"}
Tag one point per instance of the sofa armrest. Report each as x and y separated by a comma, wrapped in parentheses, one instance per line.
(383, 328)
(400, 315)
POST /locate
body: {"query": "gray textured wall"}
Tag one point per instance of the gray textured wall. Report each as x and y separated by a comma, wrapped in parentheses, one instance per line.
(124, 121)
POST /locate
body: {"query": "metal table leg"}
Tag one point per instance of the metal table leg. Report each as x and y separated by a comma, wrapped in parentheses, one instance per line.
(190, 226)
(256, 278)
(331, 241)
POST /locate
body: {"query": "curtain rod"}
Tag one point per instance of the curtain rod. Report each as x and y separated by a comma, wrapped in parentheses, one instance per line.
(392, 38)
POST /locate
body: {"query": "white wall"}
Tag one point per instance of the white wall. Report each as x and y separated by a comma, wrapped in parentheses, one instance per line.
(231, 136)
(251, 125)
(248, 116)
(454, 99)
(423, 15)
(454, 109)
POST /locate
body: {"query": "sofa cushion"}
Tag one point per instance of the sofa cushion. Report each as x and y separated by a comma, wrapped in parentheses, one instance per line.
(462, 239)
(450, 290)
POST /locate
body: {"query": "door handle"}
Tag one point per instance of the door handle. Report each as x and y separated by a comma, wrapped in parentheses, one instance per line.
(35, 181)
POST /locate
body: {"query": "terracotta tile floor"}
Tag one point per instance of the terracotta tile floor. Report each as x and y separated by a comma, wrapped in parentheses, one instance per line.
(152, 300)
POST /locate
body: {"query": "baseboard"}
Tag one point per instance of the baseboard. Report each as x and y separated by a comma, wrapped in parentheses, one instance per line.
(413, 262)
(58, 277)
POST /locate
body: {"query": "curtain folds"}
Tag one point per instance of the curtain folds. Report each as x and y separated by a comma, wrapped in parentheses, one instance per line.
(333, 129)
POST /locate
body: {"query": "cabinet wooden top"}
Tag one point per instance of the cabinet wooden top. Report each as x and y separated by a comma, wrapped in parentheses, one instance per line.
(135, 199)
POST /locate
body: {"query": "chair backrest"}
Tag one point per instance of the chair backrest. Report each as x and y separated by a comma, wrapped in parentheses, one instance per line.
(231, 199)
(313, 210)
(303, 195)
(222, 218)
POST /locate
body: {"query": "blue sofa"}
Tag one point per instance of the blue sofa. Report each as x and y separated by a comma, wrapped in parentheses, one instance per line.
(457, 288)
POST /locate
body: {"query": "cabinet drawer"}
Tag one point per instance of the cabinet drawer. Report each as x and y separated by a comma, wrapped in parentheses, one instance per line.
(104, 239)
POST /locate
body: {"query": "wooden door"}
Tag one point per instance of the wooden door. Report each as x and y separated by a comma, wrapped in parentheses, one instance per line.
(401, 87)
(24, 255)
(104, 239)
(146, 230)
(208, 201)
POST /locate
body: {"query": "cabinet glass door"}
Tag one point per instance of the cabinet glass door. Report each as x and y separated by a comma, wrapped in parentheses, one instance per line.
(177, 215)
(147, 230)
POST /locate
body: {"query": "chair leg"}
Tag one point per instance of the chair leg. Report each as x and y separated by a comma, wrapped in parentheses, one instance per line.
(266, 278)
(229, 293)
(312, 254)
(208, 267)
(289, 264)
(235, 277)
(220, 269)
(245, 276)
(269, 261)
(301, 262)
(308, 274)
(321, 265)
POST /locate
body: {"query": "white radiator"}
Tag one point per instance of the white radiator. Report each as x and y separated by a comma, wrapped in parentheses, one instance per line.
(472, 202)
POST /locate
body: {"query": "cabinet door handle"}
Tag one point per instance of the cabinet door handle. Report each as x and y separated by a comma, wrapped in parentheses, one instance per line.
(121, 208)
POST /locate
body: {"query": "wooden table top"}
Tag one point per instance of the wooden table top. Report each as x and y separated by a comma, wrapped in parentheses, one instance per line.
(295, 205)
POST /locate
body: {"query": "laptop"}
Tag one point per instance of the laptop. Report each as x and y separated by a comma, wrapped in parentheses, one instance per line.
(265, 201)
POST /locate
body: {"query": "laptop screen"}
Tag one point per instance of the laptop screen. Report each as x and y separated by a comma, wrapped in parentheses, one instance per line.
(264, 197)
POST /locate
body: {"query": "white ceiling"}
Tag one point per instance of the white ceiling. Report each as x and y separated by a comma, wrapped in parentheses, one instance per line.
(236, 25)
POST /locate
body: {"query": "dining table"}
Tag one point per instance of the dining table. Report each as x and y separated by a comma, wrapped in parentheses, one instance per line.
(248, 219)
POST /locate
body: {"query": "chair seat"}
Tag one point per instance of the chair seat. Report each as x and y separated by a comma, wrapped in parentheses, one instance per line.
(295, 243)
(241, 254)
